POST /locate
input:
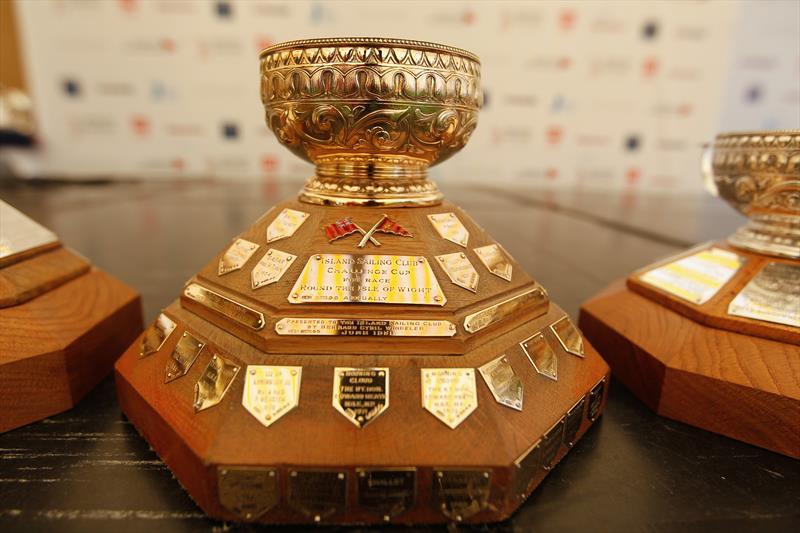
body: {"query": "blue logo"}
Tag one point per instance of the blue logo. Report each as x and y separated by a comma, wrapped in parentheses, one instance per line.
(753, 94)
(224, 9)
(649, 31)
(71, 87)
(230, 130)
(632, 143)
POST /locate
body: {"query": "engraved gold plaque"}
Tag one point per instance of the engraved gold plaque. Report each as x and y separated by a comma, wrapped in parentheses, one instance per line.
(248, 491)
(696, 277)
(595, 400)
(495, 261)
(271, 268)
(461, 493)
(459, 270)
(214, 382)
(527, 466)
(317, 493)
(541, 355)
(271, 391)
(551, 444)
(361, 394)
(387, 279)
(224, 306)
(387, 491)
(236, 256)
(534, 300)
(450, 227)
(365, 327)
(773, 295)
(568, 335)
(183, 357)
(285, 224)
(503, 382)
(449, 394)
(20, 235)
(572, 422)
(156, 335)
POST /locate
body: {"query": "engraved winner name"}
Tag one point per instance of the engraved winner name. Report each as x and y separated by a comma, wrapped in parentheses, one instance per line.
(368, 279)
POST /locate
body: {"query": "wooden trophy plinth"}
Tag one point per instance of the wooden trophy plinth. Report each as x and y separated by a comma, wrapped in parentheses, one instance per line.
(63, 323)
(367, 353)
(731, 363)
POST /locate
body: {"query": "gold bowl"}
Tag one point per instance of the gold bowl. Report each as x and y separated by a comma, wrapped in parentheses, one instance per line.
(758, 174)
(372, 114)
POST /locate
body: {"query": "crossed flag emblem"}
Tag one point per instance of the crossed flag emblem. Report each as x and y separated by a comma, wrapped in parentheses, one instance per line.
(346, 226)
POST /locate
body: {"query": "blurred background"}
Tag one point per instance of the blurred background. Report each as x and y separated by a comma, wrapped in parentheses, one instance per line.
(611, 95)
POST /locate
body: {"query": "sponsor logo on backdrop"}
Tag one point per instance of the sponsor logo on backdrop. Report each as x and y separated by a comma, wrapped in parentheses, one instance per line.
(650, 30)
(228, 165)
(679, 109)
(175, 7)
(147, 45)
(88, 125)
(566, 19)
(650, 67)
(671, 145)
(184, 129)
(633, 175)
(554, 135)
(463, 17)
(230, 130)
(555, 63)
(607, 25)
(589, 140)
(510, 135)
(520, 18)
(632, 143)
(269, 9)
(115, 88)
(609, 66)
(140, 125)
(269, 164)
(219, 47)
(685, 73)
(71, 87)
(223, 9)
(691, 33)
(161, 91)
(753, 94)
(521, 99)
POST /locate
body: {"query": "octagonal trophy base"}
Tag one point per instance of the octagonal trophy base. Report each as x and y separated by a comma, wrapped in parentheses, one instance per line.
(699, 363)
(201, 386)
(63, 323)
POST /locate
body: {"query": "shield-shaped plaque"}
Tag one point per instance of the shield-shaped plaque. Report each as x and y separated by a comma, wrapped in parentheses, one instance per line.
(271, 268)
(156, 335)
(271, 391)
(285, 224)
(182, 357)
(387, 491)
(449, 394)
(361, 394)
(461, 493)
(569, 336)
(504, 383)
(495, 261)
(236, 256)
(450, 227)
(248, 491)
(459, 270)
(541, 355)
(214, 382)
(317, 493)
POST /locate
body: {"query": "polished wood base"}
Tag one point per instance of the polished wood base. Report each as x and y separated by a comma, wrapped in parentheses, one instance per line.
(58, 345)
(200, 448)
(743, 386)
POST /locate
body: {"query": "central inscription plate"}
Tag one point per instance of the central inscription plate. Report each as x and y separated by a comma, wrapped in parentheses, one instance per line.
(385, 279)
(361, 394)
(365, 327)
(449, 394)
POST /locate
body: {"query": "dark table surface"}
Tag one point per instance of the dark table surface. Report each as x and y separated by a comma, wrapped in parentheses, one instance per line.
(88, 469)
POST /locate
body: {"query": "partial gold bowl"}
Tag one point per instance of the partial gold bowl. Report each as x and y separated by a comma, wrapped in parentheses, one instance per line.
(372, 114)
(758, 174)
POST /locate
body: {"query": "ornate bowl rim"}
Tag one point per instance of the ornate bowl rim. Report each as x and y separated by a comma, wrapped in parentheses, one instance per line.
(761, 133)
(368, 41)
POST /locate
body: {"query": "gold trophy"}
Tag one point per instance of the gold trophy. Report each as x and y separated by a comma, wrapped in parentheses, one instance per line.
(365, 353)
(711, 337)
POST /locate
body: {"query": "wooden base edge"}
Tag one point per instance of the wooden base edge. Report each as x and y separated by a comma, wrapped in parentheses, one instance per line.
(746, 388)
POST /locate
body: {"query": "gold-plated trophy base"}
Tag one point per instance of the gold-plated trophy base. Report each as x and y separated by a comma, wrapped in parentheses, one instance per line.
(196, 393)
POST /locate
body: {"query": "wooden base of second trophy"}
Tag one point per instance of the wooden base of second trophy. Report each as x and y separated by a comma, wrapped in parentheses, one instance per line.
(699, 364)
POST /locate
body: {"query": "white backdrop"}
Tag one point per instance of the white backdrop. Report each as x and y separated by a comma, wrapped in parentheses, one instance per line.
(589, 94)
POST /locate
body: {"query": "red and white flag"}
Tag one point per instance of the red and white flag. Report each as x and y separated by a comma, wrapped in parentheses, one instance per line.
(390, 226)
(341, 228)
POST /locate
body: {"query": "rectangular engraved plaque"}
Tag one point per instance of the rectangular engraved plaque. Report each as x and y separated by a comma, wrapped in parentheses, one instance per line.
(595, 400)
(285, 224)
(387, 491)
(361, 394)
(271, 391)
(365, 327)
(387, 279)
(21, 236)
(551, 443)
(773, 295)
(182, 357)
(449, 394)
(214, 382)
(248, 491)
(461, 493)
(459, 270)
(271, 268)
(317, 493)
(532, 300)
(224, 306)
(527, 467)
(697, 277)
(572, 422)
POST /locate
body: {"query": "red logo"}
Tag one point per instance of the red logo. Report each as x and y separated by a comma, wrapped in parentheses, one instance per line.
(140, 125)
(650, 67)
(178, 164)
(551, 173)
(554, 135)
(166, 44)
(564, 63)
(633, 175)
(269, 164)
(128, 5)
(566, 19)
(468, 17)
